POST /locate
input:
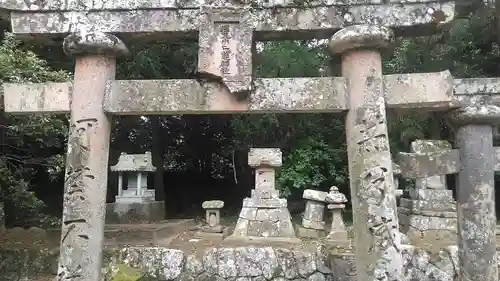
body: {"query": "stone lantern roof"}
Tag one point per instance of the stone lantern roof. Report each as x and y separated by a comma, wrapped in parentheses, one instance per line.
(134, 163)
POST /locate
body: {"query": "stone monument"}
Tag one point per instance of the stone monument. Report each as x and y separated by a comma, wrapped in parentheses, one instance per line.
(136, 202)
(313, 224)
(213, 228)
(264, 214)
(429, 211)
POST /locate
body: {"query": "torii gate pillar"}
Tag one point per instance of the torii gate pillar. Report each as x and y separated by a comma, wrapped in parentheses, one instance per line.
(476, 191)
(87, 157)
(378, 254)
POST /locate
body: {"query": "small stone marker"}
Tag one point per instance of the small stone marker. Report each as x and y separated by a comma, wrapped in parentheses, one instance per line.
(213, 229)
(338, 233)
(313, 225)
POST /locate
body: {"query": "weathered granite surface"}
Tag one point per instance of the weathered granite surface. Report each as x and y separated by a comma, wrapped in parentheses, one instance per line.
(270, 20)
(318, 94)
(240, 263)
(377, 237)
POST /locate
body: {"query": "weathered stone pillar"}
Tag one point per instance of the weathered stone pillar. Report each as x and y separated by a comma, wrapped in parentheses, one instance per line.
(87, 156)
(377, 236)
(475, 191)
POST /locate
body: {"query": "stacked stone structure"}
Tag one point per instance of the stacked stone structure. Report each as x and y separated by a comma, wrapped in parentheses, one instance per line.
(226, 30)
(264, 214)
(429, 211)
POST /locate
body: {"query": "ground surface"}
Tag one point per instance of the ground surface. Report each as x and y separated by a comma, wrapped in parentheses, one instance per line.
(178, 235)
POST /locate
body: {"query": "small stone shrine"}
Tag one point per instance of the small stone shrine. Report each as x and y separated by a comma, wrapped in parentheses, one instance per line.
(313, 224)
(213, 228)
(264, 214)
(336, 203)
(135, 202)
(429, 209)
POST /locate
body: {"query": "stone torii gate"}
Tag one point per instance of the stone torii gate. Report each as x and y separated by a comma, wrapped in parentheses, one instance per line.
(93, 32)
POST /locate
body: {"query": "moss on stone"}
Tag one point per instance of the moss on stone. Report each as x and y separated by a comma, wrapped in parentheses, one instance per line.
(127, 273)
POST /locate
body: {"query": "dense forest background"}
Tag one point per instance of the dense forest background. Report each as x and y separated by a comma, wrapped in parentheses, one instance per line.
(202, 157)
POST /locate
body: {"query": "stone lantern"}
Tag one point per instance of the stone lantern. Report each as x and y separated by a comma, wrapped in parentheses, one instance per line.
(134, 203)
(338, 232)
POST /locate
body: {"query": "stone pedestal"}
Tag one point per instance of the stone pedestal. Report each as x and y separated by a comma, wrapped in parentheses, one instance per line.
(429, 211)
(264, 214)
(132, 213)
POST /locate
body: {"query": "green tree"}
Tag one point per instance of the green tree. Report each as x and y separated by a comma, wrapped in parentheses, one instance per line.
(30, 145)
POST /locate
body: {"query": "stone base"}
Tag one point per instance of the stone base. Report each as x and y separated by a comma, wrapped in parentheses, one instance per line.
(130, 213)
(338, 235)
(332, 244)
(264, 218)
(418, 227)
(212, 235)
(264, 241)
(309, 232)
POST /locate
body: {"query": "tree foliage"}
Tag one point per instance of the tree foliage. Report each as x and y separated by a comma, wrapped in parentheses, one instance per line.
(32, 146)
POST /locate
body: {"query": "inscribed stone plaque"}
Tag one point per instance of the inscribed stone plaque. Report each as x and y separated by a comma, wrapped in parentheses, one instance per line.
(225, 40)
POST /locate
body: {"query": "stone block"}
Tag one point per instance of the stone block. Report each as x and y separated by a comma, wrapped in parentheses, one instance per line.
(428, 205)
(430, 194)
(314, 211)
(314, 195)
(264, 193)
(415, 226)
(310, 233)
(213, 204)
(428, 213)
(248, 213)
(130, 213)
(273, 215)
(423, 146)
(265, 203)
(212, 229)
(421, 165)
(241, 227)
(267, 223)
(313, 224)
(265, 157)
(202, 234)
